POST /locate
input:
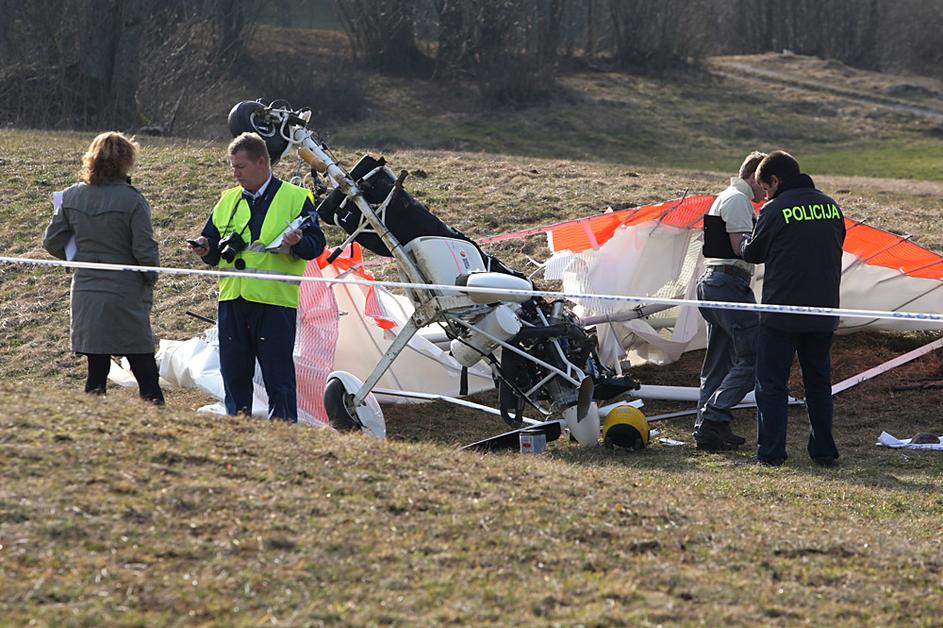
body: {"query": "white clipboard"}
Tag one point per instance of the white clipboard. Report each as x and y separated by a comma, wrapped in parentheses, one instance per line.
(70, 248)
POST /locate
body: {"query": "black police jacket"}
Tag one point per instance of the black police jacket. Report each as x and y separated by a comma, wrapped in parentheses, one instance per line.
(799, 237)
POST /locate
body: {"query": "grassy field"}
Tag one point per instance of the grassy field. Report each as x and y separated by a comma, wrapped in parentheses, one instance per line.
(115, 512)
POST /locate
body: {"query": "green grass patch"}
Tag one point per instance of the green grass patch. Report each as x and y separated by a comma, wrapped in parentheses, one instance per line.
(896, 158)
(903, 159)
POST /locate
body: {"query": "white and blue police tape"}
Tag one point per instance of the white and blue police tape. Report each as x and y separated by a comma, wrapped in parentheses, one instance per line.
(922, 317)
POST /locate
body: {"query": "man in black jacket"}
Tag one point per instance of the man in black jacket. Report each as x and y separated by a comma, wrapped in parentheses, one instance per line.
(799, 237)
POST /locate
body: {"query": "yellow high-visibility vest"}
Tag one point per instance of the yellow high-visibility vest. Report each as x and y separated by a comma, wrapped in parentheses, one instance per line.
(231, 215)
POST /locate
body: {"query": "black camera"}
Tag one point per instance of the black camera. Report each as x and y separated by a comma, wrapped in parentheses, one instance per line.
(231, 246)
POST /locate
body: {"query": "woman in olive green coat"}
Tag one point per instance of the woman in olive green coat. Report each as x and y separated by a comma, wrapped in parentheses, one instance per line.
(109, 221)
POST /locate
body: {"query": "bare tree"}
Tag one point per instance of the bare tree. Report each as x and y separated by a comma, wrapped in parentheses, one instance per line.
(383, 35)
(910, 36)
(199, 47)
(452, 51)
(651, 35)
(549, 24)
(86, 52)
(506, 43)
(81, 62)
(118, 62)
(6, 27)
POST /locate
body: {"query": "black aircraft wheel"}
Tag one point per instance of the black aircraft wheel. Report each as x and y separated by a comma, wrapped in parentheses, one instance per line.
(335, 402)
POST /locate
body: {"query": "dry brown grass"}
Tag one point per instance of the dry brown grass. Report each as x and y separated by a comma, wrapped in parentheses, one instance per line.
(116, 512)
(830, 75)
(478, 193)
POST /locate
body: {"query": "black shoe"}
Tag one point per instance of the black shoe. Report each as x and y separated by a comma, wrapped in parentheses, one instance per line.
(755, 460)
(733, 439)
(826, 461)
(717, 436)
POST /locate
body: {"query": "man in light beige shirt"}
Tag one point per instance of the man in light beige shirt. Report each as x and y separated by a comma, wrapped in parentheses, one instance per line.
(729, 362)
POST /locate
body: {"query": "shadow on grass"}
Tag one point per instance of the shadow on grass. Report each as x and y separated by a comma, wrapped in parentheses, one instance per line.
(861, 462)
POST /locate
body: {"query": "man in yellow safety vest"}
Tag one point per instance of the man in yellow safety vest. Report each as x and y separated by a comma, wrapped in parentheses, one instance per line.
(257, 316)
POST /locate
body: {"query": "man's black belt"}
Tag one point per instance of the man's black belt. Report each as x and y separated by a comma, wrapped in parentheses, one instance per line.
(730, 269)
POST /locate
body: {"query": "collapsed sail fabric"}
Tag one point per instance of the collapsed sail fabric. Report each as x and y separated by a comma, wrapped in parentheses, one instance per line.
(655, 250)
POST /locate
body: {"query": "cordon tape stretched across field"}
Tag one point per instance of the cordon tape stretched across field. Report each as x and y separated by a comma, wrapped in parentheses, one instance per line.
(922, 317)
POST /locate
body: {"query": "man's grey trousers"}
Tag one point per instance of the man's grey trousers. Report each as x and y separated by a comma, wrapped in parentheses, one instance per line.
(728, 372)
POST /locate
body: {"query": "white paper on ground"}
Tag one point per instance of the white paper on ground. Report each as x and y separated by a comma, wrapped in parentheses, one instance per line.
(886, 440)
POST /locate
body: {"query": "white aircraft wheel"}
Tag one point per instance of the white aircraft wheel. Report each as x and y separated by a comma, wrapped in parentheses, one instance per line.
(338, 402)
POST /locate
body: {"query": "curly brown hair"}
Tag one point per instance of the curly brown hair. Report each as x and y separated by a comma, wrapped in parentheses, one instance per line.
(109, 158)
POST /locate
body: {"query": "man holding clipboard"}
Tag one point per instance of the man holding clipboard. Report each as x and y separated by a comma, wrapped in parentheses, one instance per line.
(728, 372)
(262, 226)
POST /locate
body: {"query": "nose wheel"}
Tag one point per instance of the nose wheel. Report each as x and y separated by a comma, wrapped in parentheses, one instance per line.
(339, 403)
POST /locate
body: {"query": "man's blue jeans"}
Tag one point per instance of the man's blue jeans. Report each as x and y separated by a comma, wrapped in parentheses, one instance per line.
(775, 352)
(728, 370)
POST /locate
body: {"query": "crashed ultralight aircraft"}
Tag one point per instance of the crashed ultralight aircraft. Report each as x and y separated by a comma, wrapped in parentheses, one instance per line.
(354, 341)
(541, 357)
